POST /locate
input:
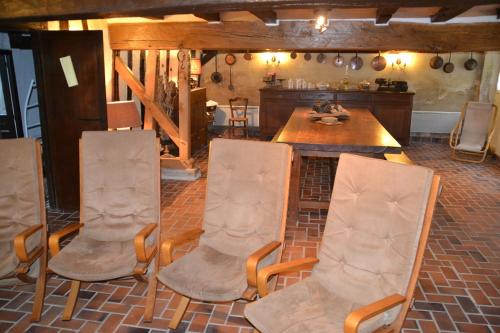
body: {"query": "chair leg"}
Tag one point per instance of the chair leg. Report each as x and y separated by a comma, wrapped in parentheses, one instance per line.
(179, 313)
(40, 289)
(150, 299)
(70, 304)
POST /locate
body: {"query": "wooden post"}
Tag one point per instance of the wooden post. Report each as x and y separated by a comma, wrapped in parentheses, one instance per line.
(150, 85)
(184, 105)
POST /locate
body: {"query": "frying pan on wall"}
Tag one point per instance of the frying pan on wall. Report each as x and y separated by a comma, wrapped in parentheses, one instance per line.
(379, 62)
(293, 55)
(356, 62)
(470, 64)
(230, 59)
(307, 56)
(448, 67)
(436, 62)
(216, 77)
(247, 56)
(321, 58)
(338, 60)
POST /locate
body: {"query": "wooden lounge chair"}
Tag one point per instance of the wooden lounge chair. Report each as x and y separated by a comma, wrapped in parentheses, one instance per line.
(23, 223)
(371, 253)
(471, 136)
(244, 227)
(119, 210)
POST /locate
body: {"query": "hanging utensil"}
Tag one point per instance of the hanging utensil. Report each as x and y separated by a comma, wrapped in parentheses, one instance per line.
(216, 77)
(247, 56)
(470, 64)
(436, 62)
(356, 62)
(307, 56)
(230, 86)
(448, 67)
(293, 55)
(230, 59)
(338, 60)
(321, 58)
(379, 62)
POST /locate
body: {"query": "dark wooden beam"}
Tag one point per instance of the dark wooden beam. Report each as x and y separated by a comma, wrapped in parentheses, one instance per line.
(266, 16)
(447, 13)
(210, 17)
(206, 56)
(384, 14)
(43, 10)
(64, 25)
(498, 13)
(24, 26)
(85, 25)
(340, 35)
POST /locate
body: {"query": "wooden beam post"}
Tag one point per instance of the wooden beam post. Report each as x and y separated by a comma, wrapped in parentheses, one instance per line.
(266, 16)
(447, 13)
(136, 86)
(150, 83)
(184, 105)
(384, 14)
(209, 17)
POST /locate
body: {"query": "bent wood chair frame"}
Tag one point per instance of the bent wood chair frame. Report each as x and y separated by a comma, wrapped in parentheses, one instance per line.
(469, 156)
(144, 254)
(356, 317)
(27, 258)
(167, 247)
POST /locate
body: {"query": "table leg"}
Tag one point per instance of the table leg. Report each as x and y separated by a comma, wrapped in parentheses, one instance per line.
(294, 197)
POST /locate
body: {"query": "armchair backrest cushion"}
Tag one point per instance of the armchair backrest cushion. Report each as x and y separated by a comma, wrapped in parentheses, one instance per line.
(476, 123)
(373, 228)
(119, 183)
(19, 196)
(247, 193)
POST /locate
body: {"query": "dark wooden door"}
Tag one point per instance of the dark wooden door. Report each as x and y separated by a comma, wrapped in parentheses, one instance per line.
(67, 111)
(10, 114)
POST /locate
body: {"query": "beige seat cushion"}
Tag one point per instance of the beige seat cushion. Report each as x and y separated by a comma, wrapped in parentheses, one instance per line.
(303, 307)
(19, 201)
(86, 259)
(206, 274)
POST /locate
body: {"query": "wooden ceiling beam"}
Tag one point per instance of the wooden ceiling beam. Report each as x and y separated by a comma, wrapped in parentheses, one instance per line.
(340, 35)
(384, 14)
(447, 13)
(209, 17)
(266, 16)
(43, 10)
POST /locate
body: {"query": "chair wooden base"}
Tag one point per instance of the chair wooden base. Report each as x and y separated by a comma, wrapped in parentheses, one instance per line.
(179, 313)
(72, 298)
(40, 289)
(460, 155)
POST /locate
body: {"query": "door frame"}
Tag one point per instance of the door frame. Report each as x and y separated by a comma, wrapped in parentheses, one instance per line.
(10, 94)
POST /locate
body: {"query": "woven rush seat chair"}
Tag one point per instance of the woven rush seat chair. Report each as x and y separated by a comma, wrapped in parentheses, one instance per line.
(368, 263)
(243, 230)
(119, 210)
(23, 223)
(471, 137)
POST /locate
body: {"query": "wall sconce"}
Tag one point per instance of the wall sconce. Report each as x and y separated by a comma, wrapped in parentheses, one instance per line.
(195, 66)
(399, 64)
(322, 21)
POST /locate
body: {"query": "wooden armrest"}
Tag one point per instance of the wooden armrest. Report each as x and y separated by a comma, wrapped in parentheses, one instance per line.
(20, 244)
(266, 273)
(254, 259)
(355, 318)
(168, 245)
(144, 255)
(56, 237)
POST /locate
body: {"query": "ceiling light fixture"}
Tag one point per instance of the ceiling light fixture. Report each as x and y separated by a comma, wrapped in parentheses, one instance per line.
(322, 20)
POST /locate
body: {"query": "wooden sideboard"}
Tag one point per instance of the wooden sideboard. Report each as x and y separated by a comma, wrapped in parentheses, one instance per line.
(392, 109)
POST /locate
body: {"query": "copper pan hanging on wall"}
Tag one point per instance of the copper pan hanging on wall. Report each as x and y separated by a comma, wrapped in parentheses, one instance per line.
(379, 62)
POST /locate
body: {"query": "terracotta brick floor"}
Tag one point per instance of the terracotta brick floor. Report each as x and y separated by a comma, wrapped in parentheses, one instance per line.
(458, 291)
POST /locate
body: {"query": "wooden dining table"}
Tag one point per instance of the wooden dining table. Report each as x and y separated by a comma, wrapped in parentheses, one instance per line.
(360, 134)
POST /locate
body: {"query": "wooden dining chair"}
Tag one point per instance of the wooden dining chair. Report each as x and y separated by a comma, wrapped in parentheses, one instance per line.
(23, 222)
(371, 253)
(119, 210)
(238, 106)
(471, 136)
(243, 230)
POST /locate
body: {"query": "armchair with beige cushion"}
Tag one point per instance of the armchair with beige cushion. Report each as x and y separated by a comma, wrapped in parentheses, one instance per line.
(471, 136)
(244, 227)
(23, 223)
(371, 253)
(119, 210)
